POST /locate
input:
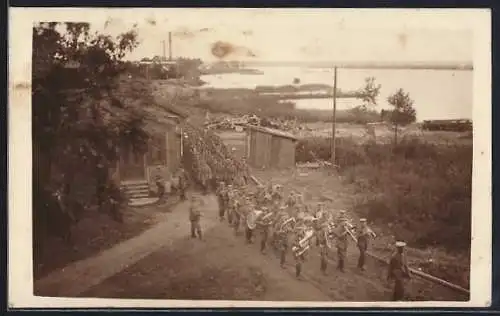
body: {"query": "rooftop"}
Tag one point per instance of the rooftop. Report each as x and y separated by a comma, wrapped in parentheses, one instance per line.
(272, 131)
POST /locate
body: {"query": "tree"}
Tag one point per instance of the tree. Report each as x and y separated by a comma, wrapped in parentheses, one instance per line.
(84, 110)
(402, 113)
(369, 93)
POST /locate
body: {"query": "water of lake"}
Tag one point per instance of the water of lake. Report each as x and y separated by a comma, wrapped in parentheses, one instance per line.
(438, 94)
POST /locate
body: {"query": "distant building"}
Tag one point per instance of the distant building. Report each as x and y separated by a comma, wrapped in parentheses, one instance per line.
(161, 157)
(270, 148)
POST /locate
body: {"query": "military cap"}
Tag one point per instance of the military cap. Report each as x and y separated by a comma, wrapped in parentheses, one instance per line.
(400, 244)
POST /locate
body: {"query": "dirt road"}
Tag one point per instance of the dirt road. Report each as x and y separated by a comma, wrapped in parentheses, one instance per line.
(165, 263)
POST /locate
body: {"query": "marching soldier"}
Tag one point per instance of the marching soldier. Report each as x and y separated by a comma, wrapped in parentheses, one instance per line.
(342, 244)
(341, 217)
(264, 226)
(182, 184)
(231, 203)
(290, 202)
(398, 271)
(299, 258)
(220, 196)
(283, 246)
(252, 218)
(324, 248)
(194, 217)
(318, 223)
(364, 235)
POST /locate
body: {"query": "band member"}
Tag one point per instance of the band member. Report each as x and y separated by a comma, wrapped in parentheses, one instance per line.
(252, 218)
(324, 247)
(299, 258)
(318, 221)
(182, 184)
(231, 203)
(342, 245)
(290, 202)
(283, 246)
(264, 227)
(398, 271)
(194, 217)
(364, 234)
(341, 217)
(220, 197)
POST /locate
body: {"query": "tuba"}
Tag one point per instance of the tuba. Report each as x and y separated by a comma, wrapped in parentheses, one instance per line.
(303, 245)
(252, 219)
(285, 224)
(266, 219)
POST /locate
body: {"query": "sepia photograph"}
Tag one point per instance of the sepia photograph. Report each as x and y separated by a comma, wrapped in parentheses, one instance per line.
(249, 157)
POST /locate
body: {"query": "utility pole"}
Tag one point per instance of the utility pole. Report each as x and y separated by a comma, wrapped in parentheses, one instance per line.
(170, 46)
(334, 114)
(163, 47)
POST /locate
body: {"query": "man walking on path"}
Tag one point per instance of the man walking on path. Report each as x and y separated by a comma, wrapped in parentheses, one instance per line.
(194, 217)
(398, 272)
(364, 235)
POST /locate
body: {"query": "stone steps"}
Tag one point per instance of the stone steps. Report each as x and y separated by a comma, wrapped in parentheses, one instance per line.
(136, 189)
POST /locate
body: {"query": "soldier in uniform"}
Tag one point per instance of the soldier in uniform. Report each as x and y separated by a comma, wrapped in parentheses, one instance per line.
(182, 184)
(264, 226)
(231, 202)
(398, 271)
(283, 246)
(364, 234)
(220, 197)
(237, 214)
(318, 223)
(324, 248)
(299, 258)
(194, 217)
(342, 244)
(251, 220)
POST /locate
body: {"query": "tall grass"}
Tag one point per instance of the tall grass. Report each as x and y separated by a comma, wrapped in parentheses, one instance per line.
(420, 189)
(270, 107)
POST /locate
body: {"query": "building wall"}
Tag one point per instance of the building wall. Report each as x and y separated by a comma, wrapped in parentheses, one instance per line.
(269, 151)
(287, 153)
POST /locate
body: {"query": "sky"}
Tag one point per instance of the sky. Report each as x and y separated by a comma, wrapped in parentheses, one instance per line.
(296, 35)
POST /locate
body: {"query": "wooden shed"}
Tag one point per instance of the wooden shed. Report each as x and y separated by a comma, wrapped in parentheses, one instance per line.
(269, 148)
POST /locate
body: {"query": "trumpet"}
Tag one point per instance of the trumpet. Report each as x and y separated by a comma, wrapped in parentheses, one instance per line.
(265, 220)
(303, 243)
(348, 229)
(285, 223)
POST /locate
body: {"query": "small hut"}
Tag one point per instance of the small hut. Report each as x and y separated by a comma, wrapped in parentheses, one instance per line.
(269, 148)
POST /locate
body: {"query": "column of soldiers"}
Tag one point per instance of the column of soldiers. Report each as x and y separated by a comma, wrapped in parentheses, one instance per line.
(287, 223)
(279, 219)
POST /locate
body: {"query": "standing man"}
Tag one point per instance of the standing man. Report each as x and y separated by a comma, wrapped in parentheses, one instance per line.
(264, 223)
(324, 245)
(342, 244)
(282, 246)
(182, 184)
(194, 217)
(364, 234)
(398, 271)
(299, 258)
(220, 197)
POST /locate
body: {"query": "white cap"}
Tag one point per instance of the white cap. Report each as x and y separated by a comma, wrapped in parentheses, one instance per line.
(400, 244)
(342, 211)
(362, 220)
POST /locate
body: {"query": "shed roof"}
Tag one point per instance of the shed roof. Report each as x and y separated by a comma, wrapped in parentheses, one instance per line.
(271, 131)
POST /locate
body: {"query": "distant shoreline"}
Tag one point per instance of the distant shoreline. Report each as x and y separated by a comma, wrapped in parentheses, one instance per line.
(416, 66)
